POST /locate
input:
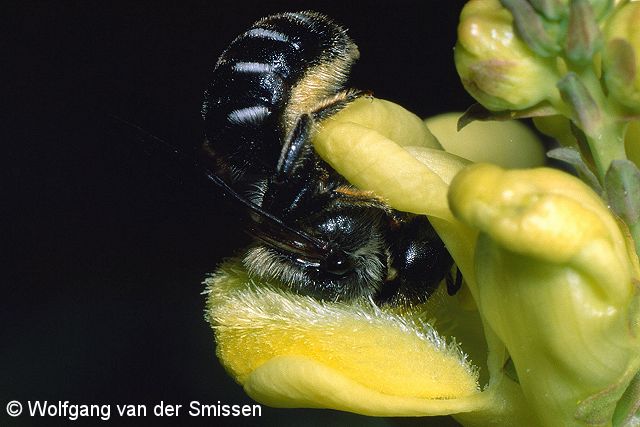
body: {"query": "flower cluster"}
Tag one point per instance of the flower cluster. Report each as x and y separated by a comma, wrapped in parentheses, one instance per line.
(546, 329)
(575, 67)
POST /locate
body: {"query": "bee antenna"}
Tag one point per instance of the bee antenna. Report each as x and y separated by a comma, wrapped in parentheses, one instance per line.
(296, 240)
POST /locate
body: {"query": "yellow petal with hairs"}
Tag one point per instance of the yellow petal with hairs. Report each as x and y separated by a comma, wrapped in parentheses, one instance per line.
(292, 350)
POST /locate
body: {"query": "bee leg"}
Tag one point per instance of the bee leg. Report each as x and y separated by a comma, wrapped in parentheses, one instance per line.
(293, 183)
(453, 286)
(294, 180)
(295, 149)
(334, 104)
(419, 261)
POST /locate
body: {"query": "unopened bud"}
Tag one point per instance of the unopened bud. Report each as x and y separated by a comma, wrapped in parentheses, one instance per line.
(495, 66)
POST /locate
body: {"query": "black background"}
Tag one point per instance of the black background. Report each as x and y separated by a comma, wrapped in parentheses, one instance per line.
(106, 248)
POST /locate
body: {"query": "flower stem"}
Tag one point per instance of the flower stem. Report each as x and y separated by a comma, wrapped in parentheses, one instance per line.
(607, 144)
(588, 107)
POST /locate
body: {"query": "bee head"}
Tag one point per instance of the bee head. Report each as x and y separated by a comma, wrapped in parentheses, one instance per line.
(353, 263)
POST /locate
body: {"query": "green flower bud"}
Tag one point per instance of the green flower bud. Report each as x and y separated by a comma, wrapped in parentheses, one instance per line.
(555, 278)
(531, 28)
(551, 9)
(495, 66)
(621, 59)
(583, 35)
(556, 10)
(585, 111)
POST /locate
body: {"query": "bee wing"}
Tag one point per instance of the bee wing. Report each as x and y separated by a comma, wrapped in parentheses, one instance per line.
(272, 230)
(262, 225)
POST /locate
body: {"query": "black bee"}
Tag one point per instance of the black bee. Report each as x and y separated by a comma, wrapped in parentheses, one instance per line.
(313, 231)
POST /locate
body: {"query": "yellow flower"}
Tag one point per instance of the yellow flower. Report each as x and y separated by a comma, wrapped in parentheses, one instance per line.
(289, 350)
(495, 66)
(549, 290)
(555, 278)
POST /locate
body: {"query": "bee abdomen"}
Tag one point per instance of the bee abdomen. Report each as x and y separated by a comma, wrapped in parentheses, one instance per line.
(280, 68)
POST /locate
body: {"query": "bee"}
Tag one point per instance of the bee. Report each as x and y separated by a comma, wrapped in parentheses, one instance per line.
(313, 231)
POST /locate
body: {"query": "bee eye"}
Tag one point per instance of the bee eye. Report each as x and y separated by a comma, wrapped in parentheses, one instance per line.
(338, 263)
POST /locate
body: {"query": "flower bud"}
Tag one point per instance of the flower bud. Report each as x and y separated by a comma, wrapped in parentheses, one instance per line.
(621, 58)
(552, 10)
(495, 66)
(555, 278)
(583, 37)
(555, 10)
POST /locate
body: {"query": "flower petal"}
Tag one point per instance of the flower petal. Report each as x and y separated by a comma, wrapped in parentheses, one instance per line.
(371, 161)
(291, 350)
(554, 279)
(509, 144)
